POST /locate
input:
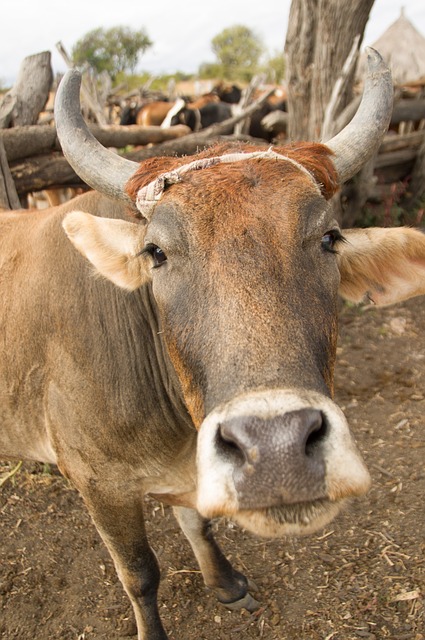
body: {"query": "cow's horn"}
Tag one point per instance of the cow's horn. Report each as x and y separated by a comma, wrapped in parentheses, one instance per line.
(360, 139)
(100, 168)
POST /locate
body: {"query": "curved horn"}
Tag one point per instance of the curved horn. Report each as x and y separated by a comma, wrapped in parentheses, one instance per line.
(101, 169)
(360, 139)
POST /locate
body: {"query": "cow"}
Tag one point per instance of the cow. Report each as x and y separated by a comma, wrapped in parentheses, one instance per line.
(173, 333)
(229, 93)
(129, 113)
(256, 125)
(147, 115)
(201, 117)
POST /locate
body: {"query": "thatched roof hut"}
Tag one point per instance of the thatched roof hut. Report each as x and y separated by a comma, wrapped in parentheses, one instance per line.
(403, 49)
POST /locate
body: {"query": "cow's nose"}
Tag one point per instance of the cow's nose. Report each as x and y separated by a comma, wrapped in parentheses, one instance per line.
(277, 460)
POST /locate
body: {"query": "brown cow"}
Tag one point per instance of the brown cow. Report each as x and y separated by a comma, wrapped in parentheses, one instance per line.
(205, 377)
(148, 114)
(153, 113)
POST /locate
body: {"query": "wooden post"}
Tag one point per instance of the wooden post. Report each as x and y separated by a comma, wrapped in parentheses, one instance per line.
(21, 106)
(23, 103)
(8, 195)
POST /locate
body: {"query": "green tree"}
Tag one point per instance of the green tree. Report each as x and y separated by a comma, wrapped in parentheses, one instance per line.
(211, 70)
(113, 50)
(238, 51)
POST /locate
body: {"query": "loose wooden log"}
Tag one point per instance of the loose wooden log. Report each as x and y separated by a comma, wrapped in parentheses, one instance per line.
(395, 158)
(24, 142)
(406, 110)
(242, 127)
(397, 142)
(120, 136)
(42, 172)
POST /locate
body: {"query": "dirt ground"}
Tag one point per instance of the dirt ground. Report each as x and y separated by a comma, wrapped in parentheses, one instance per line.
(362, 577)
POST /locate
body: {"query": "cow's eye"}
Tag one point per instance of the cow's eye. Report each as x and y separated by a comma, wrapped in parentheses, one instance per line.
(156, 253)
(330, 239)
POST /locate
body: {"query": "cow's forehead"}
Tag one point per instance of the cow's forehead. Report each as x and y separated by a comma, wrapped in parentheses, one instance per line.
(149, 195)
(227, 201)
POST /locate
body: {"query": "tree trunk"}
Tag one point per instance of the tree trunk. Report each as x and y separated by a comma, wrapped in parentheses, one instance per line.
(21, 106)
(23, 103)
(319, 39)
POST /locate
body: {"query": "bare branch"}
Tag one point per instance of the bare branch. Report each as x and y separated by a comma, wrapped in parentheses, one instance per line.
(332, 108)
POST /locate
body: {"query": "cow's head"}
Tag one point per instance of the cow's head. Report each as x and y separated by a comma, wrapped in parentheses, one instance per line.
(245, 260)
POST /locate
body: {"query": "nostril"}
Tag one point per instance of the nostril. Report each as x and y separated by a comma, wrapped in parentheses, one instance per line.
(317, 432)
(228, 444)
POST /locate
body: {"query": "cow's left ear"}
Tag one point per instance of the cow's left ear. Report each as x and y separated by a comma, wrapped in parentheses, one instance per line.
(382, 266)
(112, 246)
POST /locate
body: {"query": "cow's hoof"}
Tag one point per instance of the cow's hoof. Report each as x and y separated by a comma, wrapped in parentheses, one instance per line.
(247, 602)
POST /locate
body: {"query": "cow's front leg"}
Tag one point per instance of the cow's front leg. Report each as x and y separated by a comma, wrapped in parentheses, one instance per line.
(231, 586)
(119, 520)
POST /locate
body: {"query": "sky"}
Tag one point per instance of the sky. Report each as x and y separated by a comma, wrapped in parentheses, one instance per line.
(181, 32)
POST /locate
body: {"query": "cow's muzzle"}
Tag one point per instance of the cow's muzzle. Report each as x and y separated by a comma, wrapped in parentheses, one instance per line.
(277, 460)
(281, 455)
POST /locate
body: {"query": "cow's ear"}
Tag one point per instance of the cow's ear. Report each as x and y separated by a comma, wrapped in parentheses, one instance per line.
(112, 246)
(382, 266)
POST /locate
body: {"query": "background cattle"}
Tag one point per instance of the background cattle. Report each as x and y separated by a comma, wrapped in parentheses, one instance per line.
(197, 114)
(203, 112)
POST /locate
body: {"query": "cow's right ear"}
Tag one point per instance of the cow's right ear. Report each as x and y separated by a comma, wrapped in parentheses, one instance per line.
(112, 246)
(382, 265)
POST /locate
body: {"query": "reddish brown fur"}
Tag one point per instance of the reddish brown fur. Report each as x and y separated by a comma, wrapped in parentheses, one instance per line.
(203, 100)
(153, 113)
(315, 157)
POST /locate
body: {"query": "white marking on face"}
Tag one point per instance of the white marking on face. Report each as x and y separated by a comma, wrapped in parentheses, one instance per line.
(263, 524)
(346, 474)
